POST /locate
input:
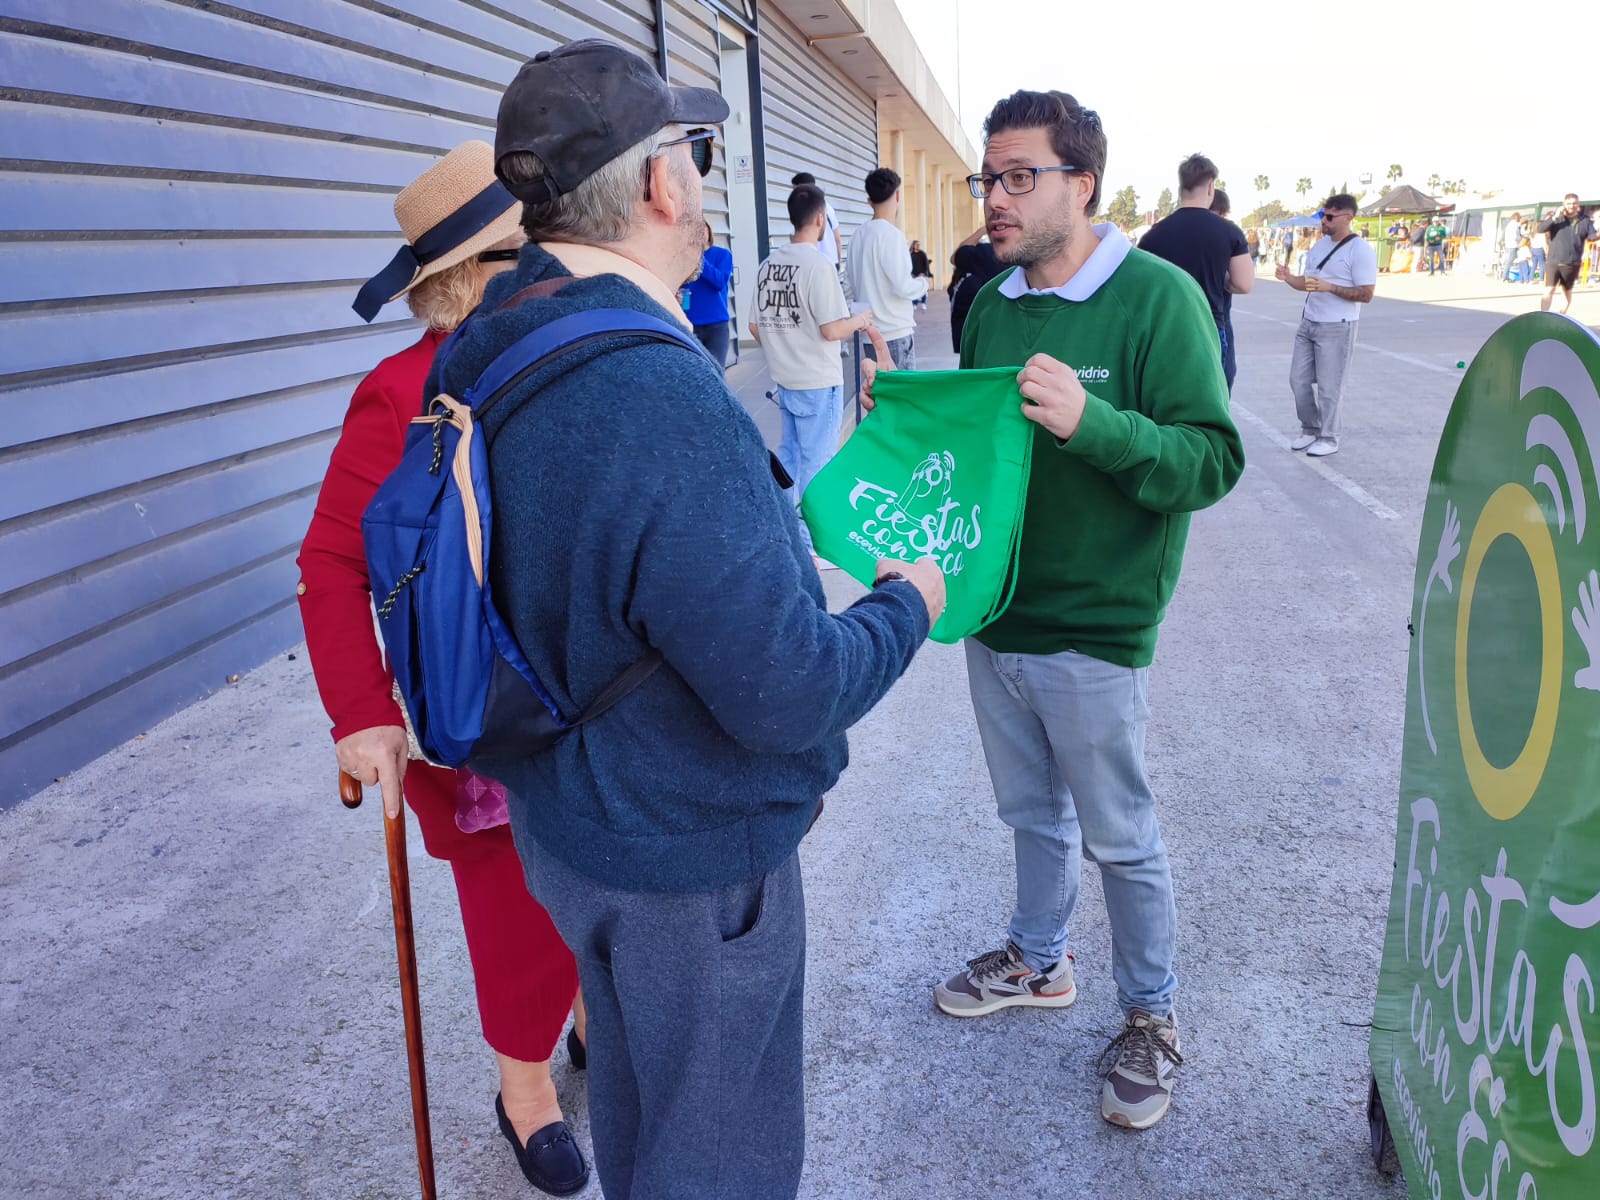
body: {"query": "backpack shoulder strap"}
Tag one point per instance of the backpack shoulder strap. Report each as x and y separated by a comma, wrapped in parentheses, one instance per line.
(538, 347)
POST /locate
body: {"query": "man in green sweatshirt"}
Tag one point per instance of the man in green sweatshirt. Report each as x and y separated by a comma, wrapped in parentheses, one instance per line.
(1120, 371)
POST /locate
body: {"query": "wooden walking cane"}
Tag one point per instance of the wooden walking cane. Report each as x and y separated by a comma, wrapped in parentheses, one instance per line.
(405, 944)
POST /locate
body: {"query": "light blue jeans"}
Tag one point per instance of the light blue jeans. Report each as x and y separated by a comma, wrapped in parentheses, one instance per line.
(1064, 738)
(811, 419)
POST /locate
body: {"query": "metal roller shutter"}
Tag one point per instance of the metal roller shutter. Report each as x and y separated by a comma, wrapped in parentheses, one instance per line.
(191, 195)
(814, 120)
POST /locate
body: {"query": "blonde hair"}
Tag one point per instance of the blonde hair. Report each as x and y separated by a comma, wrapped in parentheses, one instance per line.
(448, 298)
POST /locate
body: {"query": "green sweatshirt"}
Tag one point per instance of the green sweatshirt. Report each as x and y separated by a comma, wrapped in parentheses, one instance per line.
(1108, 510)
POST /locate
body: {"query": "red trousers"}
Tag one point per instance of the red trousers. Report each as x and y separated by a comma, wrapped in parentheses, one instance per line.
(524, 973)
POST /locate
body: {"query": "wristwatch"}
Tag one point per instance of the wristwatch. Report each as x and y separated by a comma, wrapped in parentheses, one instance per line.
(890, 577)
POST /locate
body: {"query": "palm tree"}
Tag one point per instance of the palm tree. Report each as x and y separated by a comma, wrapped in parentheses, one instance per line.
(1433, 182)
(1262, 184)
(1303, 186)
(1395, 171)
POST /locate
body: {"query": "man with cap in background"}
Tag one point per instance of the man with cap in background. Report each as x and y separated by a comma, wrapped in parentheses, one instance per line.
(636, 516)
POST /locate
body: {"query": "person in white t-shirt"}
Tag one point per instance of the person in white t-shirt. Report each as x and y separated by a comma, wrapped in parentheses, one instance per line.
(800, 313)
(1341, 275)
(878, 269)
(1511, 236)
(831, 245)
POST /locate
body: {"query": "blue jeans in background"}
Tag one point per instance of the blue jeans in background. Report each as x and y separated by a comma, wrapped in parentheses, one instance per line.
(1064, 738)
(715, 339)
(811, 419)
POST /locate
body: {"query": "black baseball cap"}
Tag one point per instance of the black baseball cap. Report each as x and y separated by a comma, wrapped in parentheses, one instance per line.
(577, 107)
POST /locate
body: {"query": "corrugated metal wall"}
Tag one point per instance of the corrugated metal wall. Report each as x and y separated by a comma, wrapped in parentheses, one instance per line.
(815, 120)
(191, 192)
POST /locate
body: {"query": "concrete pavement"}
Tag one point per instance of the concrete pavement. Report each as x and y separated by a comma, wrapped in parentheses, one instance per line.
(197, 983)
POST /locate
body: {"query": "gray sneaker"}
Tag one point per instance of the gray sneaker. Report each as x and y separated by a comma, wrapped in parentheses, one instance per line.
(1000, 979)
(1138, 1087)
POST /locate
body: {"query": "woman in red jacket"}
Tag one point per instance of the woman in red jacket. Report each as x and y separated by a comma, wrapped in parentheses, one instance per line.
(461, 228)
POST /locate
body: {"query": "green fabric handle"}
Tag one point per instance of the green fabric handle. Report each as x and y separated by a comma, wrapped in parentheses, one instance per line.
(941, 468)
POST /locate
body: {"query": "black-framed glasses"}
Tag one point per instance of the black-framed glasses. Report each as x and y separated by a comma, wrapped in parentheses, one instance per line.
(699, 143)
(1335, 214)
(1016, 181)
(494, 256)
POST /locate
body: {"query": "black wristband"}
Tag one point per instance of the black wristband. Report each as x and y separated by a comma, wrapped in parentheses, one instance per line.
(890, 577)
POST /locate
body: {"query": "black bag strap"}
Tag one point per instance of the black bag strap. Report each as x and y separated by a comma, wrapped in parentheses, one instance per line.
(1349, 237)
(630, 679)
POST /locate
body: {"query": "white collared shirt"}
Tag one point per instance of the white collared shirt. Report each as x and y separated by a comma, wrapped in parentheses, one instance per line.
(1086, 280)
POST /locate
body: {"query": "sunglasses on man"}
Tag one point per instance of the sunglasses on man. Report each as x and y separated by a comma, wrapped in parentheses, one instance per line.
(699, 143)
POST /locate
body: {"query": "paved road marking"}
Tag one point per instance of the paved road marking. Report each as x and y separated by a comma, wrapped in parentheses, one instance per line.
(1345, 484)
(1405, 358)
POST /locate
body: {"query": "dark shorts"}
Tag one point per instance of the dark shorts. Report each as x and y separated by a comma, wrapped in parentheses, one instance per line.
(1566, 274)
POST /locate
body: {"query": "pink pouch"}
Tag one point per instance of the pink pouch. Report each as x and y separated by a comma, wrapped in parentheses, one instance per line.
(480, 802)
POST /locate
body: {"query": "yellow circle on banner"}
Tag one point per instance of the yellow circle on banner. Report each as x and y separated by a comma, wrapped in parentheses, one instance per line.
(1505, 791)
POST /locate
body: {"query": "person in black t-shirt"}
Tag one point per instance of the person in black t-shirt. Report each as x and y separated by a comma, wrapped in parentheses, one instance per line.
(975, 264)
(1222, 206)
(1209, 248)
(1568, 230)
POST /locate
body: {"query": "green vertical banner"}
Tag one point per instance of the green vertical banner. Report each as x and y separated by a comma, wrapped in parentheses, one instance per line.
(1485, 1040)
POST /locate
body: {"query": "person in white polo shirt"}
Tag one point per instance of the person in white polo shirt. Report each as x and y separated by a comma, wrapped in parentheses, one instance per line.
(1341, 275)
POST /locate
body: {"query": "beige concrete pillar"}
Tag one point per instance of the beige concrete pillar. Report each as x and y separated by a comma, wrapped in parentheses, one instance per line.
(916, 221)
(897, 160)
(938, 237)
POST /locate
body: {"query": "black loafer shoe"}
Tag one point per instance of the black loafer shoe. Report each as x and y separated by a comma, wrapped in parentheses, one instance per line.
(576, 1051)
(551, 1160)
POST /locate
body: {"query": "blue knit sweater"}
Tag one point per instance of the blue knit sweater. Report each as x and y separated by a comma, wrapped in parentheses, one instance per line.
(634, 508)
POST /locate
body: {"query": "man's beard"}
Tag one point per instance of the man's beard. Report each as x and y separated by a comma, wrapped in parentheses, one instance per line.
(692, 234)
(1037, 245)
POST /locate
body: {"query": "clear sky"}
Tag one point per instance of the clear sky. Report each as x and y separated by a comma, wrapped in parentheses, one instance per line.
(1288, 91)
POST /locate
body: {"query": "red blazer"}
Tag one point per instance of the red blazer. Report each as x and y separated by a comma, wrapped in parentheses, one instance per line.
(335, 596)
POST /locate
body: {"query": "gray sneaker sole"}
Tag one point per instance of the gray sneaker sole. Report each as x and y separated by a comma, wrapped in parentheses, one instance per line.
(965, 1006)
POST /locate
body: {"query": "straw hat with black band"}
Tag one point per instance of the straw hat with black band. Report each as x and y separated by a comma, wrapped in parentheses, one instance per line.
(452, 211)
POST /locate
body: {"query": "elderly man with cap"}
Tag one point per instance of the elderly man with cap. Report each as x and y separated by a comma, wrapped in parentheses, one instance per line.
(636, 514)
(461, 230)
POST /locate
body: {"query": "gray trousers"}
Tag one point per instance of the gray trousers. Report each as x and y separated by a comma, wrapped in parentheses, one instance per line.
(1317, 374)
(696, 1087)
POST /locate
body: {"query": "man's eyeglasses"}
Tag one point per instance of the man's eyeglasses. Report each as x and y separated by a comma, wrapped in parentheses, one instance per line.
(494, 256)
(699, 143)
(1017, 181)
(1335, 214)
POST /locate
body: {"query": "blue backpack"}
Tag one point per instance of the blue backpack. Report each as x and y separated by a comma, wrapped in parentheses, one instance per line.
(465, 682)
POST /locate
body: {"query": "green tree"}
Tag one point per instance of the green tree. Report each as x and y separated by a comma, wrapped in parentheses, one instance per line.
(1165, 204)
(1222, 185)
(1262, 184)
(1265, 215)
(1395, 171)
(1303, 186)
(1433, 182)
(1123, 210)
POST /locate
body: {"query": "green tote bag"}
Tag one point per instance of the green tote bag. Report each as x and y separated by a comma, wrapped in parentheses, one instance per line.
(940, 468)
